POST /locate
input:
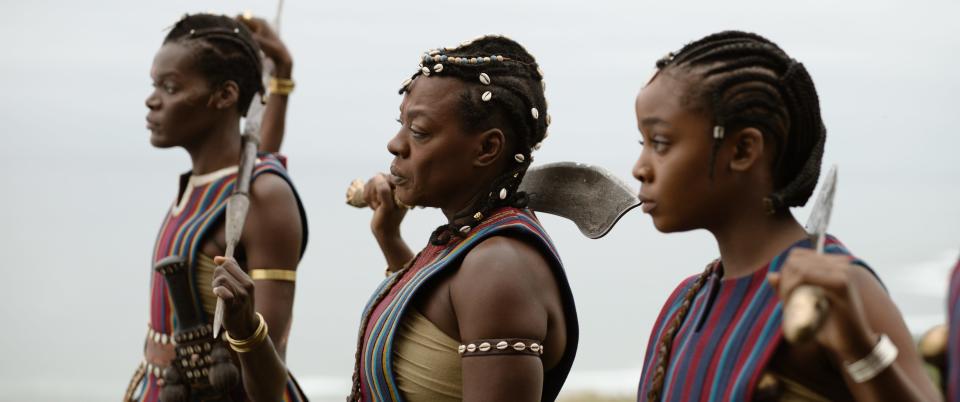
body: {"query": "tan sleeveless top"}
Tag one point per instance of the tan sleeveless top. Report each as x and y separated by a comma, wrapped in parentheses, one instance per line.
(425, 361)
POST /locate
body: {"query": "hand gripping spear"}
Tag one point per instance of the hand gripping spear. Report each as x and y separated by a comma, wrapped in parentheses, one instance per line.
(239, 202)
(807, 306)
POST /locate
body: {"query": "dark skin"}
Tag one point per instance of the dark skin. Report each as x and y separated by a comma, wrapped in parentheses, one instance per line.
(679, 195)
(438, 163)
(186, 110)
(273, 124)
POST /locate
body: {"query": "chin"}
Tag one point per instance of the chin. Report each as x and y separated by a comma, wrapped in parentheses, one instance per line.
(159, 141)
(405, 197)
(665, 225)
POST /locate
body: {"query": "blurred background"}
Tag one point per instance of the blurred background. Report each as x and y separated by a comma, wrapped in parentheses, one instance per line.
(84, 192)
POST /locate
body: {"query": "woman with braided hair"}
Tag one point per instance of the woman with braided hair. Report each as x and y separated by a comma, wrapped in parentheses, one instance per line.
(732, 138)
(205, 76)
(484, 311)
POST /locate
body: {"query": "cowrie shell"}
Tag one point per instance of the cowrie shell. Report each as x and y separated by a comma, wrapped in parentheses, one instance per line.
(535, 113)
(486, 96)
(484, 78)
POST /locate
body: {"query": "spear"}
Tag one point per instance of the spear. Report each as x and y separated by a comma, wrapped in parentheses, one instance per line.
(239, 202)
(807, 305)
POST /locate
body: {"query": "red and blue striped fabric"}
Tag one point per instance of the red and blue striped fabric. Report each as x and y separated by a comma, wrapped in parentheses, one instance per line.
(953, 344)
(186, 225)
(381, 320)
(727, 337)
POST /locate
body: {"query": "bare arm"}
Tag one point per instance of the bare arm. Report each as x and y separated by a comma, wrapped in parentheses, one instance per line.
(499, 293)
(860, 310)
(385, 224)
(272, 127)
(271, 239)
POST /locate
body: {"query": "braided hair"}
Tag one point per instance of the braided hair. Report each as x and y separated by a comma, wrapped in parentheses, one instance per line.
(225, 51)
(504, 90)
(745, 80)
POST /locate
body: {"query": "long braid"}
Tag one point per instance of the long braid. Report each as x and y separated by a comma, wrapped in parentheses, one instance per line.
(666, 341)
(509, 95)
(746, 80)
(225, 51)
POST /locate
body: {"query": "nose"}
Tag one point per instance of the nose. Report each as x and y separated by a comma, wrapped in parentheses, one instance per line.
(397, 146)
(642, 170)
(152, 101)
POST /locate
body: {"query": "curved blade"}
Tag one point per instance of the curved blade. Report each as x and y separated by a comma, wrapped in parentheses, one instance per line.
(590, 196)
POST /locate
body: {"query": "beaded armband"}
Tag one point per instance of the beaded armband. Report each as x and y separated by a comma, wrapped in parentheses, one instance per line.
(508, 346)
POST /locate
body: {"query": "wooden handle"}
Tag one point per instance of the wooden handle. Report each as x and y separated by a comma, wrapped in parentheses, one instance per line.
(355, 194)
(803, 313)
(933, 345)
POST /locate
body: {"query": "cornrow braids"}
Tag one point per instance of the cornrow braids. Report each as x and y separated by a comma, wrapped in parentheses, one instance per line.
(504, 89)
(745, 80)
(225, 51)
(665, 345)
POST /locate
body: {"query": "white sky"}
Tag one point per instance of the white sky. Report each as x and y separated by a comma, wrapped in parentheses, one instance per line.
(83, 191)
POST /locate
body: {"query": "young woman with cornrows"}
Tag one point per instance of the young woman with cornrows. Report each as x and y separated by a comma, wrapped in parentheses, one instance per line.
(732, 138)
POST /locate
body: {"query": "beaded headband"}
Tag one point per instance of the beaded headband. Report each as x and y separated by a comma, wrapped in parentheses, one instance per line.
(438, 56)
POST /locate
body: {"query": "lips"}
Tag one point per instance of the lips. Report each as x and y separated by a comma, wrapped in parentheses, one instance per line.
(152, 125)
(647, 204)
(395, 177)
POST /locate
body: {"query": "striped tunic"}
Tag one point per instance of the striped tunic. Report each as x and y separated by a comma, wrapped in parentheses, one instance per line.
(727, 338)
(198, 210)
(381, 321)
(952, 376)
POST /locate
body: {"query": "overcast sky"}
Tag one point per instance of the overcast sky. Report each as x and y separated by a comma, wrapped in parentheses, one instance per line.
(84, 192)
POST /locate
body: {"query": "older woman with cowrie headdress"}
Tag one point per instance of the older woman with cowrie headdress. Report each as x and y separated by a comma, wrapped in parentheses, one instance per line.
(484, 311)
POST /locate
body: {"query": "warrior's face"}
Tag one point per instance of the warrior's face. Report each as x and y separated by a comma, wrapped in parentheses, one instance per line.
(183, 108)
(436, 161)
(676, 187)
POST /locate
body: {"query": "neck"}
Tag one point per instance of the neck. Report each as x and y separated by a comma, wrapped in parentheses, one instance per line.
(468, 198)
(218, 149)
(750, 239)
(460, 206)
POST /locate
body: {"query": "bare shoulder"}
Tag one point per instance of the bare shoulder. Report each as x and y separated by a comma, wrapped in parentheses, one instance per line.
(272, 190)
(273, 223)
(504, 288)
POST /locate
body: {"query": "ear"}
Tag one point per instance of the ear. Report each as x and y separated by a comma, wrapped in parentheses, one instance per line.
(491, 144)
(226, 96)
(748, 147)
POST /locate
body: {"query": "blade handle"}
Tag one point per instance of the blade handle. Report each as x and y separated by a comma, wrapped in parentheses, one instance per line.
(806, 307)
(804, 313)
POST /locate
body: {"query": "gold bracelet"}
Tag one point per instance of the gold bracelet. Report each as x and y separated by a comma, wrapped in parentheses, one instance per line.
(280, 86)
(246, 345)
(274, 274)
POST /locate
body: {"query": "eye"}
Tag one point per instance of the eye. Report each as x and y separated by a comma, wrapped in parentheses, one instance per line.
(168, 87)
(416, 133)
(660, 144)
(399, 121)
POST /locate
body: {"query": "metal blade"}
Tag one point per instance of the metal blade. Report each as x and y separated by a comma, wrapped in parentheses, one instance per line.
(590, 196)
(820, 215)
